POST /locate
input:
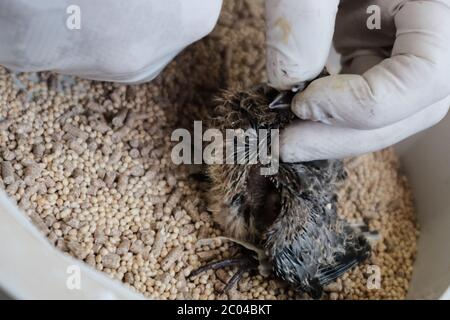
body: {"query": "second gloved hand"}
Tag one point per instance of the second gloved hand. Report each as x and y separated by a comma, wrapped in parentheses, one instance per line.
(394, 82)
(124, 41)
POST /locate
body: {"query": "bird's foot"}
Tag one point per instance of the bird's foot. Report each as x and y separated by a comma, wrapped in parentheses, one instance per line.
(243, 263)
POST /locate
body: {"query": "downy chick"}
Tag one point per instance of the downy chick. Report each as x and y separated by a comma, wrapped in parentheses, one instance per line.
(291, 215)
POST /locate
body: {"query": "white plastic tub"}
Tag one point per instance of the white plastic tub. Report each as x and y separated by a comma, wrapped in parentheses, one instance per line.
(31, 268)
(426, 160)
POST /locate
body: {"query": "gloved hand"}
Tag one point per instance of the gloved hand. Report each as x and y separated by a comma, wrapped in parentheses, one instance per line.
(125, 41)
(395, 80)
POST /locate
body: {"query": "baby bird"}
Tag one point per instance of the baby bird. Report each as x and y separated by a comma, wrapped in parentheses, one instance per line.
(290, 215)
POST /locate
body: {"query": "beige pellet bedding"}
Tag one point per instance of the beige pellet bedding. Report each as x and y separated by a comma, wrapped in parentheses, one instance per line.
(89, 162)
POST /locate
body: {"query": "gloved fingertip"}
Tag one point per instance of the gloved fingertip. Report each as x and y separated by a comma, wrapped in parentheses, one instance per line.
(291, 149)
(302, 111)
(301, 108)
(284, 72)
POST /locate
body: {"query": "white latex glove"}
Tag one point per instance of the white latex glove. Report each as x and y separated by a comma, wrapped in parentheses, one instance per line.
(396, 80)
(120, 40)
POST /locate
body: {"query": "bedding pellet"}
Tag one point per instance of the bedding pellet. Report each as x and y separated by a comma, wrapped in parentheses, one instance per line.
(89, 163)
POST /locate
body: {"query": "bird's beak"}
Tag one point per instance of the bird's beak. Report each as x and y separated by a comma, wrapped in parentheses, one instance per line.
(284, 99)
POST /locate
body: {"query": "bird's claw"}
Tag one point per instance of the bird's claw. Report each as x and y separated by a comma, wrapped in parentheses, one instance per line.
(244, 264)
